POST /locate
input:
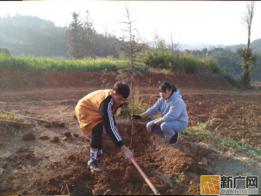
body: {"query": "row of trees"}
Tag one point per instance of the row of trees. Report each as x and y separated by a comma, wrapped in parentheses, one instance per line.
(83, 41)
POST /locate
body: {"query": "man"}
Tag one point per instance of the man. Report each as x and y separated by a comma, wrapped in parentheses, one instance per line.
(95, 111)
(174, 116)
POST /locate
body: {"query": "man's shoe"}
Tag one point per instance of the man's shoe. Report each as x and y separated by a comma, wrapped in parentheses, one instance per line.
(93, 165)
(173, 140)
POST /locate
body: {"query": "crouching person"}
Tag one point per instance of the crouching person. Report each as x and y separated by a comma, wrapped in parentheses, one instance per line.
(95, 111)
(174, 116)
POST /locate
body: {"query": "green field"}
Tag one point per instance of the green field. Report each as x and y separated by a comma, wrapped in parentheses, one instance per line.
(187, 64)
(58, 64)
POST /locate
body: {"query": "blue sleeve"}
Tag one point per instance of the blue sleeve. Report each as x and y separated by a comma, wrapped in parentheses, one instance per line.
(155, 108)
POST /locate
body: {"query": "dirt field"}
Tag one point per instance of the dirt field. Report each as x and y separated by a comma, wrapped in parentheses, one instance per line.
(37, 157)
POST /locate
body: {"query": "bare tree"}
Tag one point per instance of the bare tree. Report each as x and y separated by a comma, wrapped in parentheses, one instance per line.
(173, 46)
(246, 53)
(131, 48)
(130, 37)
(248, 20)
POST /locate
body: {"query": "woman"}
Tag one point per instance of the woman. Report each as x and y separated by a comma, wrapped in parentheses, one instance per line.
(174, 116)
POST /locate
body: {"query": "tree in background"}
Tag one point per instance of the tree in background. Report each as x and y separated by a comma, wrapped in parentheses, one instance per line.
(75, 38)
(173, 46)
(88, 36)
(159, 43)
(129, 38)
(81, 37)
(246, 53)
(83, 41)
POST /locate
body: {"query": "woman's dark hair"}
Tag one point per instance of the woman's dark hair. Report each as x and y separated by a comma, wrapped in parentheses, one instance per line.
(122, 89)
(167, 86)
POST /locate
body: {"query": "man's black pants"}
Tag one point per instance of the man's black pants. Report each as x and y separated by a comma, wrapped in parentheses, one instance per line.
(96, 137)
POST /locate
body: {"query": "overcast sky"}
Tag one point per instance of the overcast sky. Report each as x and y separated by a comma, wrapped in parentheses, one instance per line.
(189, 22)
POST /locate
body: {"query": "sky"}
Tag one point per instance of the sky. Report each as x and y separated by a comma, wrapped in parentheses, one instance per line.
(187, 22)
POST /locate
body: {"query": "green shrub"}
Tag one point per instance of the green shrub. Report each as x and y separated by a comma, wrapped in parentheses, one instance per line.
(181, 63)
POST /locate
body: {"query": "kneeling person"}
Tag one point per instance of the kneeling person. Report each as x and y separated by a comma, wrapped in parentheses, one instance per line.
(173, 111)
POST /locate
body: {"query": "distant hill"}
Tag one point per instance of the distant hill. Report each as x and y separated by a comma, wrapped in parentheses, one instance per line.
(230, 62)
(255, 45)
(29, 35)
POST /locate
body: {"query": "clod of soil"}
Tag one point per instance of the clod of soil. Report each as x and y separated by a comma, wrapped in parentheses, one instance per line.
(67, 138)
(28, 136)
(75, 135)
(44, 137)
(68, 134)
(55, 139)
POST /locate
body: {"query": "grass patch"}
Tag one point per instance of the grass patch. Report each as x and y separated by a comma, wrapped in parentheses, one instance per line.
(239, 145)
(8, 117)
(9, 131)
(201, 131)
(56, 64)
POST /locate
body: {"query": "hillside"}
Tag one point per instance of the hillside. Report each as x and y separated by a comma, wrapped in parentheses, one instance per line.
(255, 45)
(28, 35)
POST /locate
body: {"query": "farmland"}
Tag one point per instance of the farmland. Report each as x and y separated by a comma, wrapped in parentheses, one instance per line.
(36, 156)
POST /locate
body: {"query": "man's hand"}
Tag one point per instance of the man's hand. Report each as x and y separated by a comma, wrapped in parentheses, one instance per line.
(135, 117)
(127, 153)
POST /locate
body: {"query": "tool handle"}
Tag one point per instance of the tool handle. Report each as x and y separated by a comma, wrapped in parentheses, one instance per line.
(145, 177)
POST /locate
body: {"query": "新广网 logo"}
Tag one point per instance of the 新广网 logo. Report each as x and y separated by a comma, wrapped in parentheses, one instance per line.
(209, 184)
(228, 185)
